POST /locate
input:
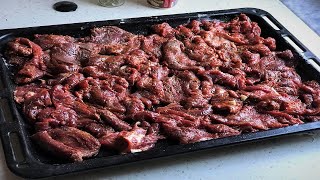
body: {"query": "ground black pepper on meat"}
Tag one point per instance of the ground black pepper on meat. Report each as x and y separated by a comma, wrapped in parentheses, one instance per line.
(124, 92)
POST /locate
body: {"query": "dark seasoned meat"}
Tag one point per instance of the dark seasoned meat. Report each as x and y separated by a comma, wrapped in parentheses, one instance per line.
(213, 40)
(233, 81)
(61, 96)
(133, 105)
(152, 45)
(20, 47)
(94, 127)
(109, 64)
(221, 130)
(195, 26)
(111, 119)
(31, 68)
(186, 135)
(107, 93)
(175, 58)
(193, 82)
(109, 35)
(114, 40)
(64, 58)
(248, 116)
(36, 103)
(68, 143)
(164, 30)
(25, 92)
(69, 80)
(179, 116)
(135, 140)
(56, 117)
(172, 90)
(47, 41)
(284, 118)
(87, 50)
(230, 105)
(197, 49)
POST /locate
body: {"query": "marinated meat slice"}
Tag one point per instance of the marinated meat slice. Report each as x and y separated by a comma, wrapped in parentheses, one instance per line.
(172, 90)
(61, 96)
(135, 140)
(229, 105)
(150, 88)
(133, 105)
(68, 143)
(110, 118)
(137, 58)
(286, 55)
(212, 39)
(275, 73)
(115, 40)
(226, 79)
(198, 50)
(269, 99)
(132, 75)
(32, 68)
(109, 141)
(311, 89)
(25, 92)
(152, 45)
(186, 135)
(164, 30)
(64, 58)
(109, 35)
(107, 93)
(221, 130)
(248, 116)
(167, 110)
(47, 41)
(124, 48)
(237, 38)
(56, 117)
(65, 53)
(284, 118)
(97, 129)
(36, 103)
(107, 64)
(87, 50)
(20, 48)
(228, 53)
(184, 32)
(200, 111)
(180, 117)
(175, 58)
(29, 73)
(153, 117)
(84, 110)
(195, 26)
(69, 80)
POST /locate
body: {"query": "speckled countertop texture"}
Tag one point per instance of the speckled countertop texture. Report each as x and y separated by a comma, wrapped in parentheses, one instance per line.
(307, 10)
(292, 157)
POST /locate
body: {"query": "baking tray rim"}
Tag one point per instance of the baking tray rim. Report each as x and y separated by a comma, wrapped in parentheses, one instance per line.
(32, 171)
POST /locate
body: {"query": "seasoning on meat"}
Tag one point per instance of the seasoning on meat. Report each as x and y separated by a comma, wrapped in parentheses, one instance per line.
(124, 92)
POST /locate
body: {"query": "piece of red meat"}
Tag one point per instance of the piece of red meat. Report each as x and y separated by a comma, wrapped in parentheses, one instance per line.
(68, 143)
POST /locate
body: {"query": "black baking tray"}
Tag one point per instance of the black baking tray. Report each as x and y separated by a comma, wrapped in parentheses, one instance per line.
(24, 158)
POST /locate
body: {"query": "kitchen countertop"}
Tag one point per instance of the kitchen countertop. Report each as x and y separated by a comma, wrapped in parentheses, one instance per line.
(307, 10)
(292, 157)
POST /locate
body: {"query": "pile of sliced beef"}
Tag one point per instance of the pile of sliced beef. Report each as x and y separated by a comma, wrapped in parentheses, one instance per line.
(124, 92)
